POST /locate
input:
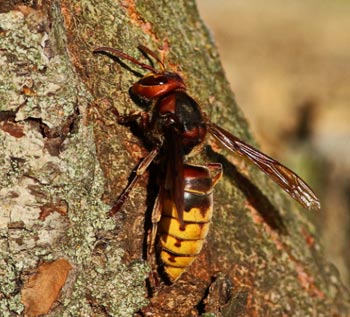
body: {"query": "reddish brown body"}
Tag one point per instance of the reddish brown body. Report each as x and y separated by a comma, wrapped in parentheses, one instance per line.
(176, 127)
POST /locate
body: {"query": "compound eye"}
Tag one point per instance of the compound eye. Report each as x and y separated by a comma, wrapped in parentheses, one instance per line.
(153, 80)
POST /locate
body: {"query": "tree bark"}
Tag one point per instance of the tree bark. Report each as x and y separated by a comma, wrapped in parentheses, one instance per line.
(64, 160)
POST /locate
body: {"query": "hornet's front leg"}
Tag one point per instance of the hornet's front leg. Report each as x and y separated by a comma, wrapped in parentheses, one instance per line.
(124, 119)
(132, 116)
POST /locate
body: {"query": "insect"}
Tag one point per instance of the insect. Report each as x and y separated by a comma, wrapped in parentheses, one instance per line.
(176, 128)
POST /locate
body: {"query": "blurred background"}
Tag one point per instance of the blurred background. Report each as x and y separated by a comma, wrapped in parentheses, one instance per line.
(288, 63)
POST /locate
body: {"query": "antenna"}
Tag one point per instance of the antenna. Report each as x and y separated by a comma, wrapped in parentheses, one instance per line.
(119, 53)
(149, 52)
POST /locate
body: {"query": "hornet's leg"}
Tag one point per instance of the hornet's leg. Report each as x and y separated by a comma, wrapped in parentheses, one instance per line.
(132, 116)
(137, 173)
(215, 170)
(156, 215)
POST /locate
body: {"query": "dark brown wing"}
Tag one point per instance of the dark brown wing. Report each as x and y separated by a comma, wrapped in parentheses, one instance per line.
(282, 175)
(175, 170)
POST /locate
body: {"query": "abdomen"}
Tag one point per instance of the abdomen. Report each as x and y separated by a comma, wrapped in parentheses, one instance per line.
(179, 246)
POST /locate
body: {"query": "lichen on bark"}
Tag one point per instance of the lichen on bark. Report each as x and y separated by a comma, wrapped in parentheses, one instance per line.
(51, 183)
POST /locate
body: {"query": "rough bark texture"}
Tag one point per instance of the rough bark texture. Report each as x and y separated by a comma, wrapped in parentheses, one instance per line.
(63, 161)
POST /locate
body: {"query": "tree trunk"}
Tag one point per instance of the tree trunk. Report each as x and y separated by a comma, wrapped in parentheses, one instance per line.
(64, 160)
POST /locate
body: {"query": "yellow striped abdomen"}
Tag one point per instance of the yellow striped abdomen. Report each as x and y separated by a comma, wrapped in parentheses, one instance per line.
(180, 245)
